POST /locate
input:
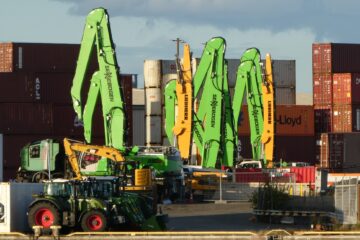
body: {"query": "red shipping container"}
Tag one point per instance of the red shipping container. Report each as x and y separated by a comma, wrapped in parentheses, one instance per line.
(26, 118)
(346, 118)
(322, 88)
(40, 57)
(336, 57)
(291, 120)
(321, 57)
(323, 118)
(324, 151)
(304, 174)
(346, 88)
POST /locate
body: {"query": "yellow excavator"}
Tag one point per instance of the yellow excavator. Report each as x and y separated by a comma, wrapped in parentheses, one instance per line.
(135, 179)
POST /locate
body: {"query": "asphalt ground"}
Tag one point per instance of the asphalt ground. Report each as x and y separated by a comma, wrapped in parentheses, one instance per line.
(233, 216)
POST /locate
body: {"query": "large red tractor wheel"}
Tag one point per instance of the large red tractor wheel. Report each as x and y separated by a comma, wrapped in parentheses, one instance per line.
(94, 221)
(43, 214)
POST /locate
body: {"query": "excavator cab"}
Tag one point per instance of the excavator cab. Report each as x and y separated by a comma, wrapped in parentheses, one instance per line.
(41, 160)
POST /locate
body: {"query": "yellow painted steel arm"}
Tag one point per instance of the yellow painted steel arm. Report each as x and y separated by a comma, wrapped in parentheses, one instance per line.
(71, 147)
(267, 137)
(183, 123)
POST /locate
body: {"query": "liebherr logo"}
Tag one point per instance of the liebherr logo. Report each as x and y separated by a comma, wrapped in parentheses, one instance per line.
(186, 111)
(108, 81)
(213, 105)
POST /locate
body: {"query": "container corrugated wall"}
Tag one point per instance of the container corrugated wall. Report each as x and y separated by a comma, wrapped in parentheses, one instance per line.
(287, 148)
(322, 88)
(153, 102)
(342, 152)
(346, 88)
(323, 118)
(40, 57)
(1, 157)
(291, 120)
(346, 118)
(336, 58)
(139, 125)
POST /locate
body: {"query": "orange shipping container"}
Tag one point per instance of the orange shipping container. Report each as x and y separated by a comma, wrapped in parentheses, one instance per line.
(346, 88)
(291, 120)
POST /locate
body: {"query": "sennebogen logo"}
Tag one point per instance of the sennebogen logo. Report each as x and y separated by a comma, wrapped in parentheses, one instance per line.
(213, 104)
(292, 121)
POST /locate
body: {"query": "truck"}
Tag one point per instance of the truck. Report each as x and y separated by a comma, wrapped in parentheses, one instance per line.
(94, 204)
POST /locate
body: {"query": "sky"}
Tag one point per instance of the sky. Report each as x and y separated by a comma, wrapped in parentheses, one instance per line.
(144, 29)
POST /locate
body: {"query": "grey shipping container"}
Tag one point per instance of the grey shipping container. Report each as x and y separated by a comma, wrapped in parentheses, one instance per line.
(340, 152)
(14, 200)
(138, 126)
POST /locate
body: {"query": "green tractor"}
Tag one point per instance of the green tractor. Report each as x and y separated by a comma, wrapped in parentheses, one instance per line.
(95, 205)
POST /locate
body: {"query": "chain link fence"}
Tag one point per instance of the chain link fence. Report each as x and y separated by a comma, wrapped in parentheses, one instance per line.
(346, 200)
(241, 186)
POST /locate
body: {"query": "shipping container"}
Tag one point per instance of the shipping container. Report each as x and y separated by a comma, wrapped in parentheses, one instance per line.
(26, 118)
(139, 126)
(346, 118)
(292, 120)
(336, 57)
(342, 152)
(317, 148)
(322, 88)
(153, 101)
(14, 200)
(284, 72)
(324, 150)
(40, 57)
(153, 126)
(285, 96)
(1, 157)
(323, 118)
(304, 174)
(287, 148)
(152, 73)
(346, 88)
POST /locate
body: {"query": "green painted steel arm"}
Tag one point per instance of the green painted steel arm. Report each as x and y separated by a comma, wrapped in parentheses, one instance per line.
(229, 136)
(208, 119)
(97, 34)
(249, 78)
(170, 99)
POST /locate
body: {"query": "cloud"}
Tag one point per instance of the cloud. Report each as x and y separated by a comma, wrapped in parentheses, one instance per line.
(327, 18)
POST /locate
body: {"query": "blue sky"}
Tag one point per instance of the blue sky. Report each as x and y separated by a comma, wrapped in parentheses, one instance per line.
(144, 29)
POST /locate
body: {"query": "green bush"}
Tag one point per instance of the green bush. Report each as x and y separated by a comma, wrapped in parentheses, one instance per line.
(269, 196)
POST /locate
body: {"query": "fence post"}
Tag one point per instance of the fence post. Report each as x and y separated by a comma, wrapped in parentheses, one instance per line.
(221, 187)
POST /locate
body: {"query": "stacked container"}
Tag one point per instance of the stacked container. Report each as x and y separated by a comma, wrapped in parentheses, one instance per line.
(336, 89)
(35, 100)
(294, 130)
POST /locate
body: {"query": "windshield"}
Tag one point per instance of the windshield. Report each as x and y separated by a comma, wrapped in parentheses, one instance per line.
(102, 189)
(57, 189)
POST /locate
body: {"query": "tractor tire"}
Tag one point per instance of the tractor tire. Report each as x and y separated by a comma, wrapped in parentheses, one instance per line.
(44, 214)
(94, 221)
